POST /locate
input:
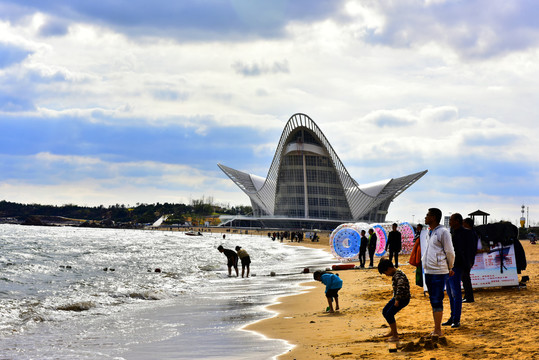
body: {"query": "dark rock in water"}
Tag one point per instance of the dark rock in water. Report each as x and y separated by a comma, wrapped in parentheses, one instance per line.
(112, 269)
(272, 273)
(68, 267)
(306, 270)
(77, 307)
(157, 270)
(106, 269)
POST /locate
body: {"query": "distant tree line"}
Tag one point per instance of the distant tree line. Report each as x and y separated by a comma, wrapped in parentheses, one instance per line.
(139, 214)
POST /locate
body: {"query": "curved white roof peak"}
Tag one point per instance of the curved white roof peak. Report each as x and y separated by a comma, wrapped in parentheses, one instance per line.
(374, 188)
(258, 181)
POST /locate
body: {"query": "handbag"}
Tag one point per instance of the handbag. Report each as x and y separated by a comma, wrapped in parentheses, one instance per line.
(415, 255)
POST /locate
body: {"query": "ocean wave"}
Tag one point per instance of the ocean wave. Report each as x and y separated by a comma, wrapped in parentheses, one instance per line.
(32, 317)
(210, 267)
(148, 295)
(78, 306)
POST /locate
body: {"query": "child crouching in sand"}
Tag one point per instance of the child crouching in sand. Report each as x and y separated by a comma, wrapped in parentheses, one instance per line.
(333, 285)
(401, 296)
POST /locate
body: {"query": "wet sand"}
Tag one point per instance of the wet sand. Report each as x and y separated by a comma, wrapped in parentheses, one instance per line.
(500, 324)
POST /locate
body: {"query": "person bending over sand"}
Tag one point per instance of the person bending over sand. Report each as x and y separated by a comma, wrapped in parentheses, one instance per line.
(232, 259)
(245, 260)
(333, 285)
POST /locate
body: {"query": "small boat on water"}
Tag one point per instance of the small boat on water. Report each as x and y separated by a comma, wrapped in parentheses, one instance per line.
(193, 233)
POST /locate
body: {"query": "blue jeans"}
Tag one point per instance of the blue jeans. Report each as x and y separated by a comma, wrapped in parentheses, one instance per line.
(390, 309)
(435, 286)
(455, 294)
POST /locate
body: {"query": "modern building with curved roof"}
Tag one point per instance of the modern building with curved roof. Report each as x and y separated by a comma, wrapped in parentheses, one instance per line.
(308, 187)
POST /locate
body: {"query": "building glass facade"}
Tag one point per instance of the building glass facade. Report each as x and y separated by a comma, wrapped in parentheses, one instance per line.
(308, 184)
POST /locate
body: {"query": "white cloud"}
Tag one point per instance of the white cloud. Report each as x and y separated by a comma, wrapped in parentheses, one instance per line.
(440, 114)
(397, 87)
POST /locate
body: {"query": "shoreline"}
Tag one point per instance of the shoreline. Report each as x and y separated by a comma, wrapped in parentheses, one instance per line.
(496, 326)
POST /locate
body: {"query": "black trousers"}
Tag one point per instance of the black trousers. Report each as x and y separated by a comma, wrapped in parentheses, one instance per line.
(396, 255)
(362, 258)
(371, 257)
(467, 284)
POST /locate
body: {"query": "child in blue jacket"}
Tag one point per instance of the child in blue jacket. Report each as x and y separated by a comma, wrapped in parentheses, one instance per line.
(333, 285)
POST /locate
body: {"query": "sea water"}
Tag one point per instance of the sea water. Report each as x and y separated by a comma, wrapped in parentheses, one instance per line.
(78, 293)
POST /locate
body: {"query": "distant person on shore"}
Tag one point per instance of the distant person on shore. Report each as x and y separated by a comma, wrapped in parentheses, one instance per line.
(472, 249)
(394, 243)
(401, 296)
(232, 258)
(372, 246)
(363, 250)
(333, 285)
(245, 260)
(461, 238)
(437, 260)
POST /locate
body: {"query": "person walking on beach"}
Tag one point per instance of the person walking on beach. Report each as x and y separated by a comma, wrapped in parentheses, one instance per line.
(437, 260)
(372, 246)
(245, 260)
(394, 243)
(232, 258)
(471, 250)
(460, 238)
(401, 296)
(333, 285)
(363, 250)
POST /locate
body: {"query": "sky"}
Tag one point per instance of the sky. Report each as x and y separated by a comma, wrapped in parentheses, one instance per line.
(128, 102)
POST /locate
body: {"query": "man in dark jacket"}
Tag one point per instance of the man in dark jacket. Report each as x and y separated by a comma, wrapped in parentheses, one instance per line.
(363, 249)
(460, 237)
(394, 243)
(372, 246)
(232, 259)
(471, 251)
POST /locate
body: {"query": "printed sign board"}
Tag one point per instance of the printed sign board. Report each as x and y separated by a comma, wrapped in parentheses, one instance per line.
(496, 267)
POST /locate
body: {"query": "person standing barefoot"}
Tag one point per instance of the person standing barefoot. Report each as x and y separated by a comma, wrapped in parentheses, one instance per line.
(438, 260)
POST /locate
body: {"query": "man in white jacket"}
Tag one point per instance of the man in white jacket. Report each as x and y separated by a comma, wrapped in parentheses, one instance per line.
(438, 259)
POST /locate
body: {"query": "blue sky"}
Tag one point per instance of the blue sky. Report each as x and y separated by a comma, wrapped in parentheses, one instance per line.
(136, 101)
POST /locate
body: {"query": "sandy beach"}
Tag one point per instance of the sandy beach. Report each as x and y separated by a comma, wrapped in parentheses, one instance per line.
(500, 324)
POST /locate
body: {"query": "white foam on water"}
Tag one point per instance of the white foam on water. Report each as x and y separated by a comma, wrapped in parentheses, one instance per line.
(57, 301)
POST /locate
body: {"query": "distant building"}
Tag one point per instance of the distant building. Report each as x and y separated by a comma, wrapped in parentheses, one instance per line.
(307, 186)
